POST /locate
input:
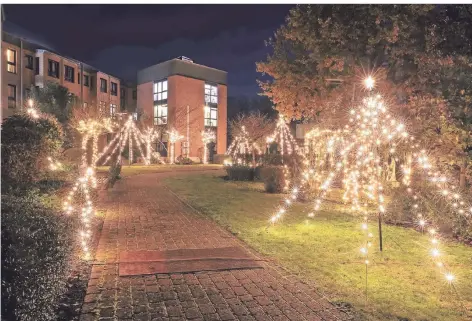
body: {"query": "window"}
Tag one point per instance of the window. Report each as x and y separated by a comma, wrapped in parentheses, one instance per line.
(86, 80)
(53, 68)
(112, 110)
(160, 114)
(103, 85)
(211, 114)
(211, 95)
(101, 107)
(160, 91)
(78, 78)
(29, 62)
(69, 73)
(114, 89)
(11, 96)
(36, 71)
(135, 94)
(11, 61)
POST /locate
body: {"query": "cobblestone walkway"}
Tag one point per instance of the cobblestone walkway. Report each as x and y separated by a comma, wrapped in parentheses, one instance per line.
(141, 214)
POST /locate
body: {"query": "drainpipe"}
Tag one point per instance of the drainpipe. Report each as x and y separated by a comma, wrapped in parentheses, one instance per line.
(21, 74)
(82, 84)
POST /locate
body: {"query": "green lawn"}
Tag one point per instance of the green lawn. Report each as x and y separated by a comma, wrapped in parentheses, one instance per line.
(142, 169)
(402, 281)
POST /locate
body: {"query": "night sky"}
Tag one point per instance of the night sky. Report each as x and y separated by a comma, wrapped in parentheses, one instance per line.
(121, 39)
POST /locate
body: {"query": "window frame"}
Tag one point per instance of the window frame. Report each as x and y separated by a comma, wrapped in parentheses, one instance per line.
(161, 118)
(160, 90)
(12, 98)
(51, 63)
(29, 62)
(208, 92)
(113, 108)
(103, 89)
(210, 121)
(114, 92)
(86, 80)
(69, 71)
(11, 64)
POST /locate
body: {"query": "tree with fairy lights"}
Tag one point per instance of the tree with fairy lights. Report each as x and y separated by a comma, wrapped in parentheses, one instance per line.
(359, 157)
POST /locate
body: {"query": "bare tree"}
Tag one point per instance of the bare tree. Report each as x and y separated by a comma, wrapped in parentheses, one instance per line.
(252, 129)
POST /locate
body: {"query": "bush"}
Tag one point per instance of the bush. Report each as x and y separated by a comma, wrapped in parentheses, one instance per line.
(240, 173)
(26, 144)
(113, 174)
(274, 179)
(181, 160)
(36, 248)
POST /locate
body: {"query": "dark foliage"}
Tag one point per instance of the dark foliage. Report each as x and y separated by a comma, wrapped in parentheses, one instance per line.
(274, 178)
(181, 160)
(240, 173)
(36, 248)
(26, 144)
(113, 174)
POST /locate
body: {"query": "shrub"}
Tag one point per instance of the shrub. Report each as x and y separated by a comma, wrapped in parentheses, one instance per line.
(156, 158)
(113, 174)
(36, 248)
(240, 173)
(181, 160)
(26, 144)
(274, 179)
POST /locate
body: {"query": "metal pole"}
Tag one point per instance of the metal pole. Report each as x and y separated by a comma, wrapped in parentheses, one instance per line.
(21, 74)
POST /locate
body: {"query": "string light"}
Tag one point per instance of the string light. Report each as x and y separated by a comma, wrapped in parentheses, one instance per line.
(174, 137)
(207, 137)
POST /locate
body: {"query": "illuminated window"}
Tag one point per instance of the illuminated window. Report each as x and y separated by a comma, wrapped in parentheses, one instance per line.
(211, 95)
(11, 96)
(211, 116)
(11, 61)
(112, 110)
(53, 68)
(160, 91)
(160, 114)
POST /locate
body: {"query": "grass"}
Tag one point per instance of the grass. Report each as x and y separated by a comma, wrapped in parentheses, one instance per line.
(142, 169)
(403, 283)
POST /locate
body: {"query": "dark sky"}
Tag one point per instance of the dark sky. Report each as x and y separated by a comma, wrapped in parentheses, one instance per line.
(121, 39)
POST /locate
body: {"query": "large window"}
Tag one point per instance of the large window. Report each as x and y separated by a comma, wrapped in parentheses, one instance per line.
(11, 61)
(211, 95)
(160, 114)
(29, 62)
(86, 80)
(103, 85)
(211, 116)
(11, 96)
(69, 73)
(114, 89)
(112, 110)
(160, 90)
(53, 68)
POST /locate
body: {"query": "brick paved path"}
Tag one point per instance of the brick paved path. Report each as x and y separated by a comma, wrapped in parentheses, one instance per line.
(141, 214)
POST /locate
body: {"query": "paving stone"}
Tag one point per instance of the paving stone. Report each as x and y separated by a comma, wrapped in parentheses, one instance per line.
(141, 214)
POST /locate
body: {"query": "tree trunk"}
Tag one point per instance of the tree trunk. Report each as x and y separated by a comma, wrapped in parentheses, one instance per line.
(463, 170)
(253, 158)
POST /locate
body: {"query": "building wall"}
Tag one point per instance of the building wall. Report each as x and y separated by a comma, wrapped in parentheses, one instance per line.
(9, 78)
(186, 92)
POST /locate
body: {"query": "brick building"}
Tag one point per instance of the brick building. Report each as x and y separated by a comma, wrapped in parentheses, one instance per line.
(182, 95)
(176, 94)
(26, 64)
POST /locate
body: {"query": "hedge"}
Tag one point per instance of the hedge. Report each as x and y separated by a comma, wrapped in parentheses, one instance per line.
(240, 173)
(273, 178)
(36, 248)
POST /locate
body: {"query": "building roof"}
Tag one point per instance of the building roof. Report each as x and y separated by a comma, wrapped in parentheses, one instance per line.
(182, 66)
